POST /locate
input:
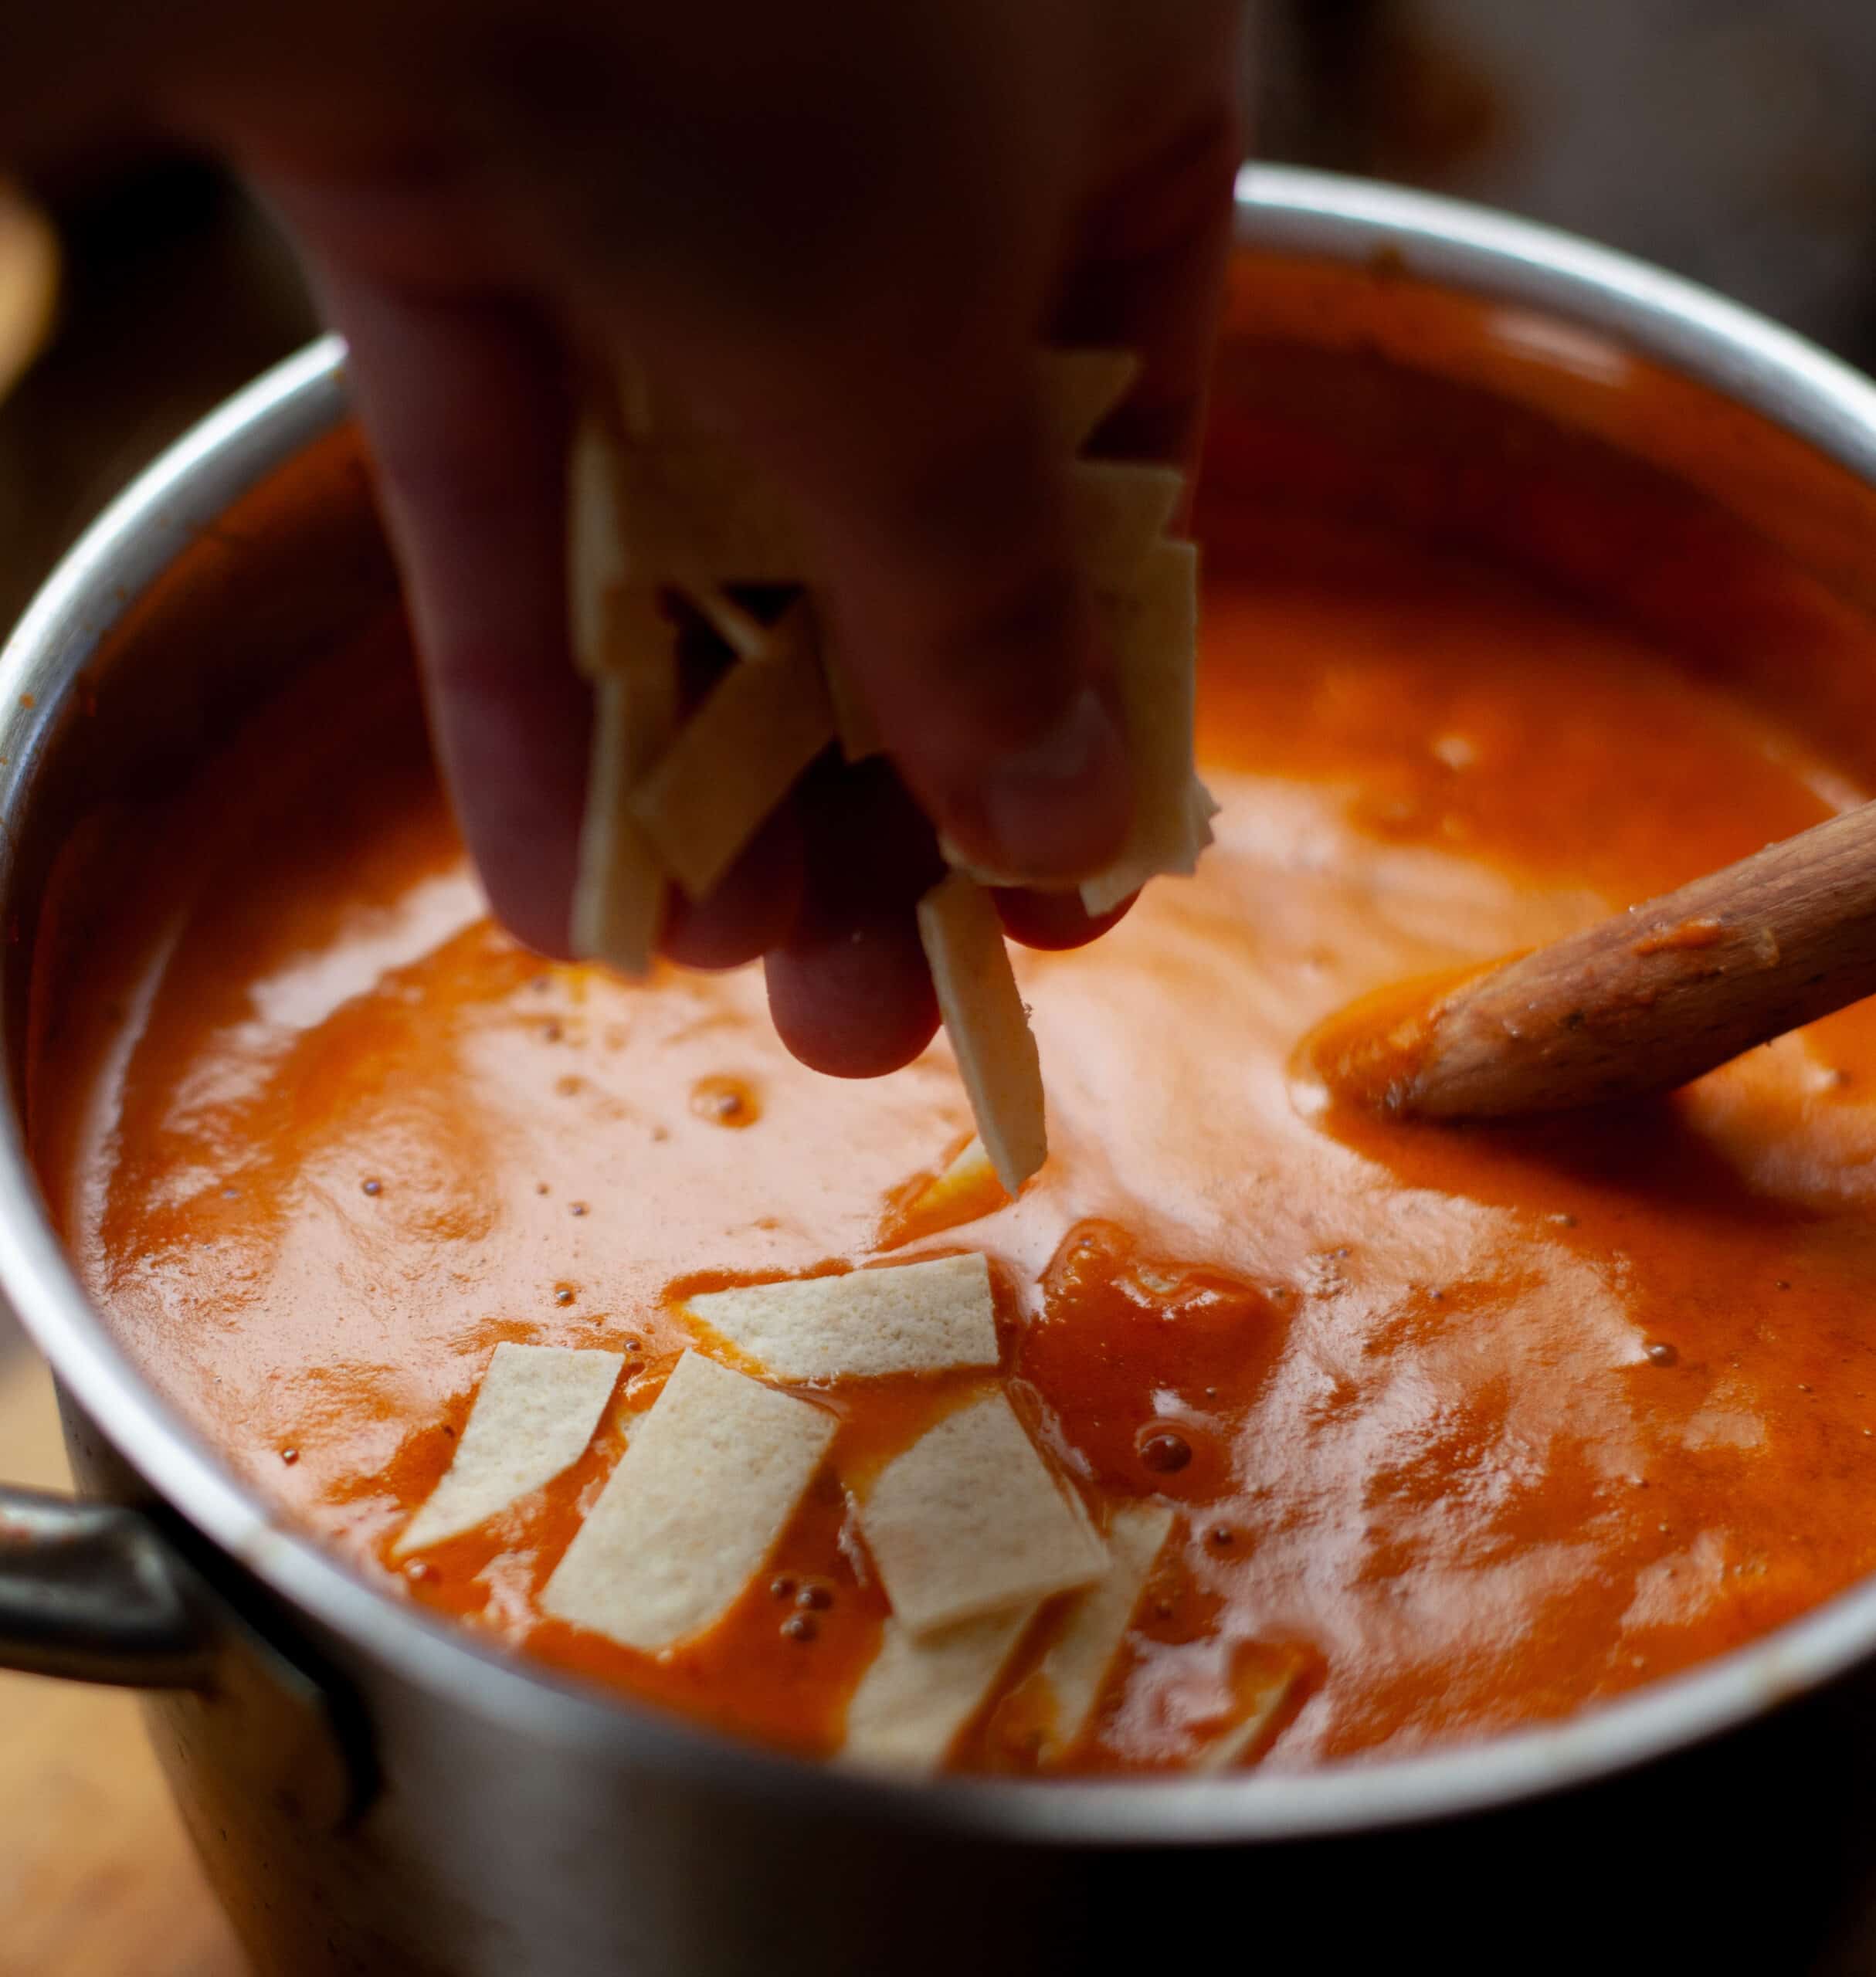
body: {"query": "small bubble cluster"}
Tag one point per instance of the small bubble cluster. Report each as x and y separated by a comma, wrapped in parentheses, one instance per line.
(807, 1597)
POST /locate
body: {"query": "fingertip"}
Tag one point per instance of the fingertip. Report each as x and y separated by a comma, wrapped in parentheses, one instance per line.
(1053, 921)
(1057, 808)
(512, 757)
(752, 909)
(475, 506)
(855, 1005)
(539, 915)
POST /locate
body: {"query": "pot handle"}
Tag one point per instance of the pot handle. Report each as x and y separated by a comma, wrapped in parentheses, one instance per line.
(96, 1592)
(91, 1591)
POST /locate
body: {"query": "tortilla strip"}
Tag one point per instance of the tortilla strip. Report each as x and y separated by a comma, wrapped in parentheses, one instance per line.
(853, 723)
(595, 556)
(1153, 630)
(1118, 510)
(710, 1476)
(619, 891)
(737, 757)
(988, 1025)
(916, 1317)
(1080, 388)
(967, 1190)
(744, 632)
(1078, 1659)
(1245, 1736)
(696, 510)
(533, 1415)
(969, 1521)
(919, 1692)
(619, 886)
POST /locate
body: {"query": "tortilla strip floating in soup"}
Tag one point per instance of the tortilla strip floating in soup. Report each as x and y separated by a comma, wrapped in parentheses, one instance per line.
(969, 1521)
(916, 1317)
(1071, 1673)
(1262, 1701)
(920, 1689)
(534, 1412)
(965, 1188)
(710, 1476)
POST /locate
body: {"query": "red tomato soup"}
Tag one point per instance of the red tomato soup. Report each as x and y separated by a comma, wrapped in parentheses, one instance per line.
(1459, 1431)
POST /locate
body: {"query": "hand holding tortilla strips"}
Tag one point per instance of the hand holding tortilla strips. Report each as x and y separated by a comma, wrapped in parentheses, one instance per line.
(662, 508)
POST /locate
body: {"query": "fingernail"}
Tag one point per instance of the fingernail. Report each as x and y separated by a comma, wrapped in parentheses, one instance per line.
(1058, 809)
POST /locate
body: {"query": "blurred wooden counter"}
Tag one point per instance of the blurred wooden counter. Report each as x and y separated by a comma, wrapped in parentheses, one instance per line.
(97, 1877)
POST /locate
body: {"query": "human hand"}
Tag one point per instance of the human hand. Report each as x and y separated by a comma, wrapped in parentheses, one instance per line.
(847, 227)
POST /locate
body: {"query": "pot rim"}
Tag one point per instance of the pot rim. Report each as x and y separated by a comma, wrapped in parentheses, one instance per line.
(1309, 214)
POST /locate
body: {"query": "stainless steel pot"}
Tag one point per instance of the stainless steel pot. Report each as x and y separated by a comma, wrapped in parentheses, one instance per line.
(376, 1793)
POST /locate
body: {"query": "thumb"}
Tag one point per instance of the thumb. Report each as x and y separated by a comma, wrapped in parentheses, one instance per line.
(966, 628)
(920, 463)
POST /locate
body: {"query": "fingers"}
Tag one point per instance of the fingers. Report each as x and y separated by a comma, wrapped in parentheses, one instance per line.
(856, 1005)
(849, 990)
(754, 907)
(462, 405)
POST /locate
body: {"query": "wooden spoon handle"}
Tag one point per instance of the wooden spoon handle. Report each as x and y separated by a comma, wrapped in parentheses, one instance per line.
(1658, 995)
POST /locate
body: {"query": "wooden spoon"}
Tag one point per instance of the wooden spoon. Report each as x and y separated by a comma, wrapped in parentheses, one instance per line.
(1657, 995)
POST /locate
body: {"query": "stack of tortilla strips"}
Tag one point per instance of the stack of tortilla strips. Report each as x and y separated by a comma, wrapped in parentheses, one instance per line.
(969, 1530)
(663, 507)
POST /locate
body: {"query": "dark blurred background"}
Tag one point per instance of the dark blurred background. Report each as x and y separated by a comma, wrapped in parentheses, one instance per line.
(1733, 142)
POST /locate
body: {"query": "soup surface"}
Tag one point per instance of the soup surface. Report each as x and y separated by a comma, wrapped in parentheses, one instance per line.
(1459, 1430)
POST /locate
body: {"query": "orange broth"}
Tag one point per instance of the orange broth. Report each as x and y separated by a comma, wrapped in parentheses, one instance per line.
(1483, 1429)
